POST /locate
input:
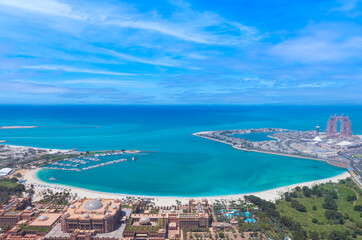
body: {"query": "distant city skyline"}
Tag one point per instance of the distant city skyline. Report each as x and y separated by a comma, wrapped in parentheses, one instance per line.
(180, 52)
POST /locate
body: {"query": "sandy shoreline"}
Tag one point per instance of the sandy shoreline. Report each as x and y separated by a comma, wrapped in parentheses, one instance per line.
(271, 195)
(16, 127)
(50, 150)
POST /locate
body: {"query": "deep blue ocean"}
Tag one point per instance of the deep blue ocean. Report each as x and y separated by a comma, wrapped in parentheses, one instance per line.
(183, 165)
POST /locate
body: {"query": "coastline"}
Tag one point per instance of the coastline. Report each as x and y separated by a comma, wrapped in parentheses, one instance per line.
(270, 195)
(17, 127)
(51, 150)
(260, 151)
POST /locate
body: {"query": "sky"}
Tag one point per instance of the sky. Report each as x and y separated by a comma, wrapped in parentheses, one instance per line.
(181, 52)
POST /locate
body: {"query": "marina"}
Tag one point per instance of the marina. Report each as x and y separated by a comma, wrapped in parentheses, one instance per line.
(83, 165)
(65, 164)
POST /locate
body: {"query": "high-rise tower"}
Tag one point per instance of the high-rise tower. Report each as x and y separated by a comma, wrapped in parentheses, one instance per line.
(345, 129)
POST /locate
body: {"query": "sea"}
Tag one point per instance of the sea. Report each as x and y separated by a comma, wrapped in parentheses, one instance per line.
(175, 163)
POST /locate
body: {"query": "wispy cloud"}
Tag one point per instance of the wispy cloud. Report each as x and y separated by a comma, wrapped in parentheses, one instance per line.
(321, 42)
(114, 83)
(188, 25)
(51, 7)
(349, 7)
(76, 70)
(33, 88)
(159, 62)
(80, 93)
(175, 51)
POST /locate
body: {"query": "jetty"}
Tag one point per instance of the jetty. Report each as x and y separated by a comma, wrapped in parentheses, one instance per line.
(76, 161)
(65, 164)
(74, 167)
(104, 164)
(115, 153)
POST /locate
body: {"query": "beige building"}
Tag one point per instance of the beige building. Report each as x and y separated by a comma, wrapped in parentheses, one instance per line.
(101, 215)
(167, 223)
(18, 209)
(45, 220)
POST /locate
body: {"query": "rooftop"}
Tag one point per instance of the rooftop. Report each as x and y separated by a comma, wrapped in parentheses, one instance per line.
(45, 220)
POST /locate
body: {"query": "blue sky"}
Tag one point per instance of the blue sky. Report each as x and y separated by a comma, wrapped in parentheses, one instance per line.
(180, 52)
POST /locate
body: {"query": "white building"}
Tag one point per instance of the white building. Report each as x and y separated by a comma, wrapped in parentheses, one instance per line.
(5, 172)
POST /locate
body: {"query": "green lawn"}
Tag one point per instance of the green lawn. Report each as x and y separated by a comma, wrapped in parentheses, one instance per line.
(305, 218)
(343, 205)
(8, 184)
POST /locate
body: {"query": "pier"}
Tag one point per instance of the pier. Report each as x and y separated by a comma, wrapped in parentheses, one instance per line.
(74, 167)
(92, 159)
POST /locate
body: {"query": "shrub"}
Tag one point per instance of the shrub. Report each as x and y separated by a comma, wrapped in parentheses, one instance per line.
(334, 235)
(351, 198)
(358, 208)
(330, 204)
(298, 206)
(294, 194)
(336, 216)
(314, 235)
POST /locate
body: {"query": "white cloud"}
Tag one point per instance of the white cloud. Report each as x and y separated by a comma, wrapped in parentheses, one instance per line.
(174, 30)
(185, 24)
(347, 5)
(159, 62)
(320, 43)
(113, 83)
(316, 85)
(51, 7)
(28, 87)
(76, 70)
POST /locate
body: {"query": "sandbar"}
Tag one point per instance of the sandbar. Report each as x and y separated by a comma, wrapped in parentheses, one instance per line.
(15, 127)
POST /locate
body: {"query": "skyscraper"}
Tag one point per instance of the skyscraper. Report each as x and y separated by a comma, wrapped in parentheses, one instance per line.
(345, 127)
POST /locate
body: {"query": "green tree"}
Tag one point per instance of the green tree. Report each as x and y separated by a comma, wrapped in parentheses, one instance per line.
(314, 235)
(18, 175)
(330, 204)
(299, 234)
(334, 235)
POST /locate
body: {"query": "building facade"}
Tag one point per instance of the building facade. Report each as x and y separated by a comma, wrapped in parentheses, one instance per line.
(345, 126)
(167, 224)
(100, 215)
(18, 209)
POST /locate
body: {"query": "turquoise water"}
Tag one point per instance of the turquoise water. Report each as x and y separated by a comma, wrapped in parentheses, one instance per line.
(183, 165)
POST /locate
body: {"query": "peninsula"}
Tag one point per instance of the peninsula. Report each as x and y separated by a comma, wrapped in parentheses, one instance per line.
(341, 149)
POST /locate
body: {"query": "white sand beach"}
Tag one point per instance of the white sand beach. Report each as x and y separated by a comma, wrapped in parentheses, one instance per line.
(18, 148)
(271, 195)
(17, 127)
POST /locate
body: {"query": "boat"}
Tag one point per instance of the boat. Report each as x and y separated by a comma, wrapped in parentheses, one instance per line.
(132, 158)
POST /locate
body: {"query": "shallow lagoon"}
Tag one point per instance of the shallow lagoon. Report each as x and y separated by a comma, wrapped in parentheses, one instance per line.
(183, 165)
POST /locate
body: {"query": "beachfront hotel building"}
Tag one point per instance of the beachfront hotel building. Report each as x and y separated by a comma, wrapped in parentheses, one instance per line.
(18, 209)
(167, 223)
(100, 215)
